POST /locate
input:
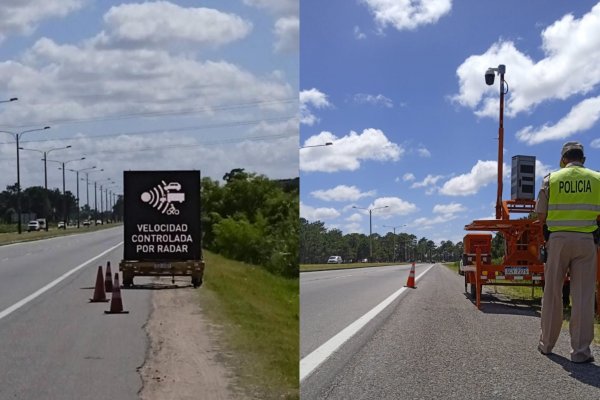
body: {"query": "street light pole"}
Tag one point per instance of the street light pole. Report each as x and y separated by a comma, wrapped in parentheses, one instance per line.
(101, 207)
(17, 136)
(101, 199)
(394, 228)
(77, 171)
(87, 183)
(63, 163)
(370, 228)
(45, 153)
(95, 204)
(64, 198)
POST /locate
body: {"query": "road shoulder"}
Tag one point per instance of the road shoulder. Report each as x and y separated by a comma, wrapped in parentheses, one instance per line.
(182, 360)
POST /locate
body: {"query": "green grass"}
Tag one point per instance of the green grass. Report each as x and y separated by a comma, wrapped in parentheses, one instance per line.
(259, 316)
(14, 237)
(453, 266)
(323, 267)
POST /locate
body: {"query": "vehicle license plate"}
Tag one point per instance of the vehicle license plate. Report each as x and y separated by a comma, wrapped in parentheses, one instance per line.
(516, 271)
(162, 265)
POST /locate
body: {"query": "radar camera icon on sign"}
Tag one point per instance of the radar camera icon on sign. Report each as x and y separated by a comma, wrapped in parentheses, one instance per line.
(163, 196)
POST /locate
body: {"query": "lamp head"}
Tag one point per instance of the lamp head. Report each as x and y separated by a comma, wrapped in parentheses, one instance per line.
(489, 76)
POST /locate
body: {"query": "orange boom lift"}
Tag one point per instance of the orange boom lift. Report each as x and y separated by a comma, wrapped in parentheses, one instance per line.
(521, 264)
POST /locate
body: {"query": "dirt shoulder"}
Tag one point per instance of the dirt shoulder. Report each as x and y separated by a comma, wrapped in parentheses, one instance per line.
(183, 361)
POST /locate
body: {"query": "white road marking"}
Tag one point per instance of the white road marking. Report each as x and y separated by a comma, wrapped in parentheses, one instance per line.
(309, 363)
(55, 282)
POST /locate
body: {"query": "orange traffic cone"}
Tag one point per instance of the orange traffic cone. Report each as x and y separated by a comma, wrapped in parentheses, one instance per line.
(116, 304)
(108, 286)
(99, 293)
(410, 283)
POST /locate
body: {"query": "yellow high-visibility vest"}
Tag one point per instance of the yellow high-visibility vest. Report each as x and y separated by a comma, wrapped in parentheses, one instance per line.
(574, 200)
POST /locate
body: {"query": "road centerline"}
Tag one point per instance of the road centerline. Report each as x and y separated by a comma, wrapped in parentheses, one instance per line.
(6, 312)
(309, 363)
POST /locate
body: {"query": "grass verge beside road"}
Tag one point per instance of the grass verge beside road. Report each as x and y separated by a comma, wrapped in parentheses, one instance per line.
(324, 267)
(14, 237)
(259, 316)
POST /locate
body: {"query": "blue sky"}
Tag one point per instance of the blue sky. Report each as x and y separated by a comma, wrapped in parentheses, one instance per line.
(398, 87)
(182, 84)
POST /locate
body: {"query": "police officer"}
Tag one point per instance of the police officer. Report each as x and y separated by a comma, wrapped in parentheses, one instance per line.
(569, 205)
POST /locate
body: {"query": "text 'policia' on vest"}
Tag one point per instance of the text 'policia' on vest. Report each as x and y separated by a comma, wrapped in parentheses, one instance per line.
(574, 200)
(580, 186)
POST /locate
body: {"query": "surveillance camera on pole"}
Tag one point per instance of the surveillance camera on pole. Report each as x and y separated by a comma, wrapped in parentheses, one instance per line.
(490, 74)
(489, 80)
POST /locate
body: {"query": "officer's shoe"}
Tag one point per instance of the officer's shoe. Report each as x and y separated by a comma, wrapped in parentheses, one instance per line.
(590, 359)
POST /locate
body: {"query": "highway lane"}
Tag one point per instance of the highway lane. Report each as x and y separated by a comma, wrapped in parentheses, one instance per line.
(58, 346)
(332, 300)
(434, 343)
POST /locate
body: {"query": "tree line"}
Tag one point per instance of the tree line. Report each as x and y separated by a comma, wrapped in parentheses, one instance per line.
(38, 202)
(253, 219)
(317, 243)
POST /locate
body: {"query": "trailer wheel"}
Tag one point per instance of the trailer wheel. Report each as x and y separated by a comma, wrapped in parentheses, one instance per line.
(473, 291)
(127, 280)
(196, 282)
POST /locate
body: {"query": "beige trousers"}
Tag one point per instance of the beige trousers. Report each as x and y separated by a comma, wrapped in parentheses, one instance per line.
(577, 252)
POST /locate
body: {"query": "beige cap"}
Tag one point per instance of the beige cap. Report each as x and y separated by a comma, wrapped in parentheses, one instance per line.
(571, 146)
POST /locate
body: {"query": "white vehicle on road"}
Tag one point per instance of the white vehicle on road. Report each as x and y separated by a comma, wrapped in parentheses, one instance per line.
(33, 226)
(334, 260)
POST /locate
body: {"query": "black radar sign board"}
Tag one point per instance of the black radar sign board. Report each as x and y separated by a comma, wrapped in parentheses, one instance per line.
(162, 215)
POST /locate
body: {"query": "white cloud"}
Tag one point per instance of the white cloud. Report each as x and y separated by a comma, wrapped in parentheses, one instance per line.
(342, 193)
(287, 31)
(166, 94)
(276, 159)
(407, 14)
(430, 180)
(22, 16)
(581, 117)
(423, 152)
(67, 81)
(395, 207)
(595, 144)
(347, 152)
(541, 169)
(313, 98)
(374, 100)
(408, 177)
(569, 68)
(358, 34)
(448, 209)
(425, 222)
(279, 7)
(482, 174)
(356, 217)
(316, 214)
(164, 24)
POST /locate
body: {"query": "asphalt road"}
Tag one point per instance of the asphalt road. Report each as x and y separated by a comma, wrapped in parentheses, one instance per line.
(433, 343)
(331, 300)
(56, 345)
